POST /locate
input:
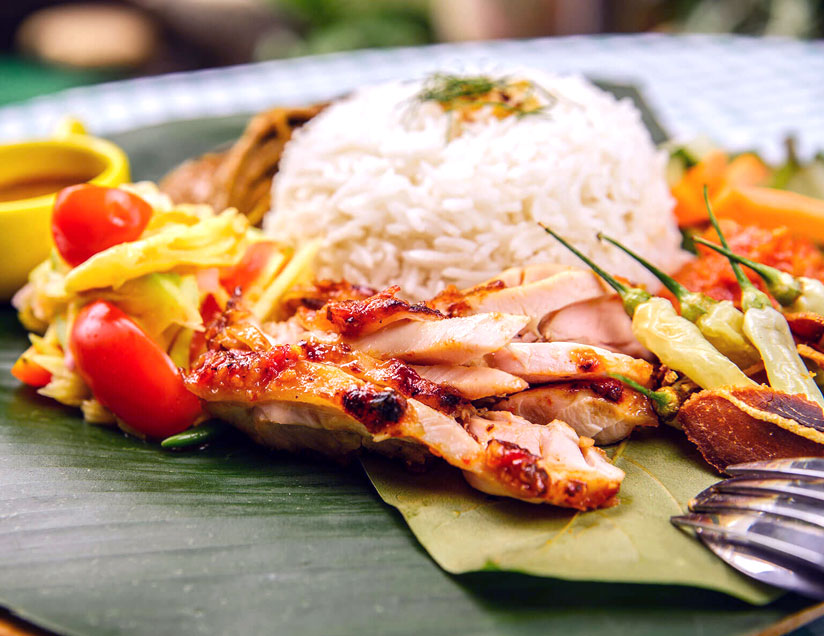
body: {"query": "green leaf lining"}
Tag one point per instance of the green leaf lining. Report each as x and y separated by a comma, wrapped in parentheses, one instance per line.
(633, 542)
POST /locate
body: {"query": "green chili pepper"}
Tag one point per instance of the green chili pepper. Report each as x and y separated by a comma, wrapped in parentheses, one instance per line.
(769, 332)
(719, 321)
(693, 304)
(665, 400)
(675, 340)
(796, 294)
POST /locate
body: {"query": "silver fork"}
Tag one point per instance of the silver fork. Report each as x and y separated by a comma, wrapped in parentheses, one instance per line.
(767, 521)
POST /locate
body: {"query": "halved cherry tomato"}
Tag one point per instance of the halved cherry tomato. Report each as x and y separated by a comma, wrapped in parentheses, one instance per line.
(129, 374)
(30, 372)
(88, 219)
(249, 268)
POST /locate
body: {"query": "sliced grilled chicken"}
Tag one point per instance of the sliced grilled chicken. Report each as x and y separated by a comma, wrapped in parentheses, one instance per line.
(601, 322)
(315, 295)
(390, 373)
(448, 341)
(282, 399)
(535, 299)
(543, 362)
(569, 467)
(265, 393)
(527, 274)
(603, 410)
(472, 383)
(326, 397)
(357, 318)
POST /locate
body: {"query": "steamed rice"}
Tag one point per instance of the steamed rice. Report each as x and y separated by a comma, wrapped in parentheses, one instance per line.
(396, 201)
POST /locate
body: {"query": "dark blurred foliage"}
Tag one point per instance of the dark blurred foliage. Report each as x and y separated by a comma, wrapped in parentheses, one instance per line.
(200, 33)
(343, 25)
(792, 18)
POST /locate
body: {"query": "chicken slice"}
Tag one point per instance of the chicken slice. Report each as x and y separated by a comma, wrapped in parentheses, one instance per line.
(535, 299)
(355, 318)
(543, 362)
(448, 341)
(390, 373)
(601, 322)
(281, 399)
(290, 331)
(472, 383)
(570, 467)
(296, 391)
(603, 410)
(527, 274)
(315, 295)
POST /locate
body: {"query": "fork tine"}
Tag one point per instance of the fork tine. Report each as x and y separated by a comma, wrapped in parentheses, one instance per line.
(811, 490)
(711, 501)
(767, 568)
(809, 467)
(792, 540)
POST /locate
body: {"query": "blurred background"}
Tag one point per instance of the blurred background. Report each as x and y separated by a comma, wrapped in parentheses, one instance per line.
(47, 45)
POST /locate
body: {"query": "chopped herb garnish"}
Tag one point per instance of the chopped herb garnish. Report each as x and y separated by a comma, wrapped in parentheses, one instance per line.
(463, 96)
(448, 89)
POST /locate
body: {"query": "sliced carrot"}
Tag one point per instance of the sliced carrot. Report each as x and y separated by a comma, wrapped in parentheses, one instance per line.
(768, 207)
(30, 372)
(689, 192)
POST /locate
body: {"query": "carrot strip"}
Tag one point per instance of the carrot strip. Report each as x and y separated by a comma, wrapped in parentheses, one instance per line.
(745, 170)
(771, 208)
(689, 192)
(30, 372)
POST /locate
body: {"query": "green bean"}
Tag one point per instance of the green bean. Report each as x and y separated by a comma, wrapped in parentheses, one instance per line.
(196, 436)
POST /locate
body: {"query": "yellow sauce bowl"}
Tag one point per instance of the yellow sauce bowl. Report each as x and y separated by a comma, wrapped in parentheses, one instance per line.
(25, 223)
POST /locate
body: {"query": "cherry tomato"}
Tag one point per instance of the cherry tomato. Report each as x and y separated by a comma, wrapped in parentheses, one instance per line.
(88, 219)
(249, 268)
(129, 374)
(30, 373)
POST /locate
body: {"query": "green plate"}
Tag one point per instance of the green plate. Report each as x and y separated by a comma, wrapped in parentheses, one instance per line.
(103, 534)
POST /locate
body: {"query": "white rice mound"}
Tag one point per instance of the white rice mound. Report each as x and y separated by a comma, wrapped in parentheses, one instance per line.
(396, 201)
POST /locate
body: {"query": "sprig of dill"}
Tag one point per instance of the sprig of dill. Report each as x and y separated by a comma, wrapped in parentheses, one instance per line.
(454, 91)
(444, 88)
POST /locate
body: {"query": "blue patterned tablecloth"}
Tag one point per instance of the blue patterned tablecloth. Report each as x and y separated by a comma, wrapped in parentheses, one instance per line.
(742, 92)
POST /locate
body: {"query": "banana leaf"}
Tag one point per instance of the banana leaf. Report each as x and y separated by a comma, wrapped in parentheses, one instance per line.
(465, 530)
(104, 534)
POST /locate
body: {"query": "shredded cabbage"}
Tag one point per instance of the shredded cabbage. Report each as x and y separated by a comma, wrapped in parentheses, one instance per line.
(298, 269)
(96, 413)
(158, 302)
(66, 386)
(159, 280)
(215, 242)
